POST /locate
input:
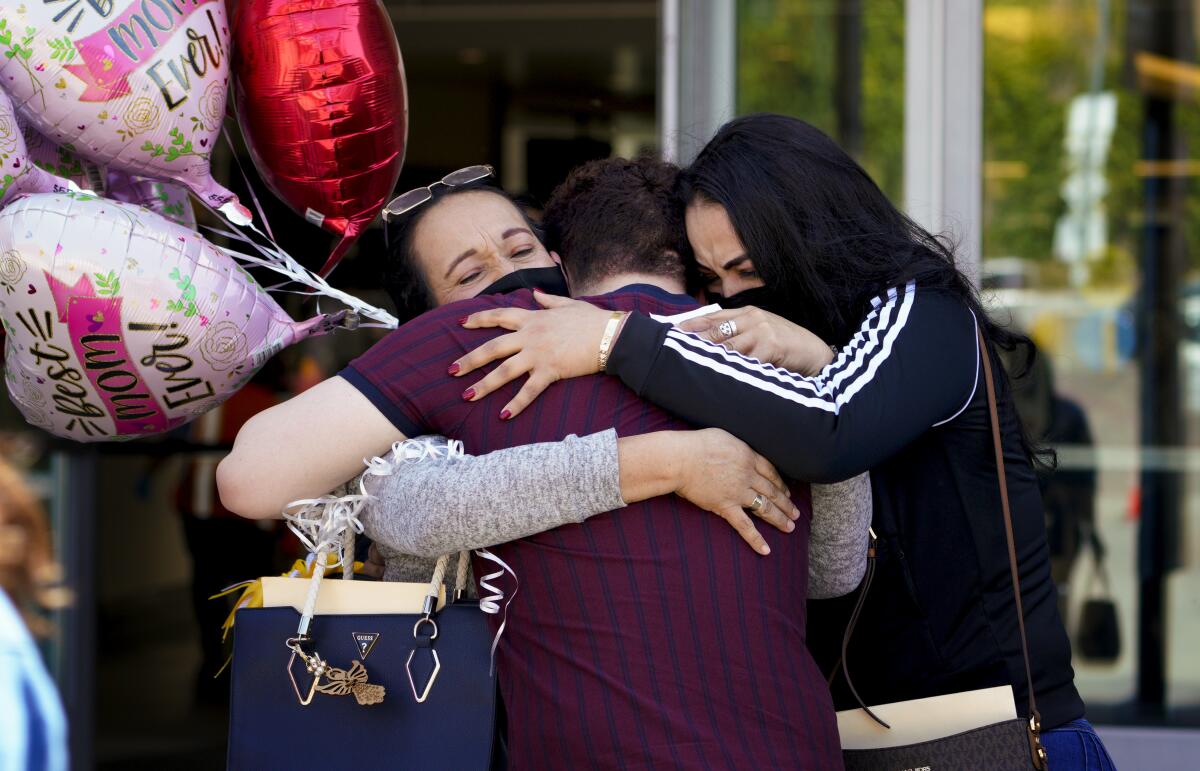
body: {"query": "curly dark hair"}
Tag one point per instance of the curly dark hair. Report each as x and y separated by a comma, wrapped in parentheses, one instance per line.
(618, 215)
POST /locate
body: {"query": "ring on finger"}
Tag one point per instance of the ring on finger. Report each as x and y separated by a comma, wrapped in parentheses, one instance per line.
(727, 329)
(756, 505)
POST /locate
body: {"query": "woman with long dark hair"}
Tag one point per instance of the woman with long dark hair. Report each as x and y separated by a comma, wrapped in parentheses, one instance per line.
(850, 342)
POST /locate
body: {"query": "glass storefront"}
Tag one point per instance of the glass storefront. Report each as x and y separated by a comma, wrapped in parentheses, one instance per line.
(838, 65)
(1090, 241)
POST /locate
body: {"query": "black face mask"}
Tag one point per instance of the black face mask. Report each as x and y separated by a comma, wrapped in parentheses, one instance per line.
(548, 280)
(760, 297)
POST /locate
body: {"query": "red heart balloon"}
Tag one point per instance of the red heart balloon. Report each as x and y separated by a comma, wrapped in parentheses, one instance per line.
(322, 103)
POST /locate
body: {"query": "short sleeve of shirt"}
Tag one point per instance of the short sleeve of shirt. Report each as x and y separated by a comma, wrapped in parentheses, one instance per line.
(404, 375)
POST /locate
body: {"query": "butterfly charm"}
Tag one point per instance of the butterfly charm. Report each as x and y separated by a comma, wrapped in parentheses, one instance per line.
(342, 682)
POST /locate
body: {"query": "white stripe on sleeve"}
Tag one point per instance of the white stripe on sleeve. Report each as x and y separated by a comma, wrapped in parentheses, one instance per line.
(850, 372)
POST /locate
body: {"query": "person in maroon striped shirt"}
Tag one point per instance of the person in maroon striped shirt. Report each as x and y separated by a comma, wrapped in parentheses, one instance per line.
(645, 638)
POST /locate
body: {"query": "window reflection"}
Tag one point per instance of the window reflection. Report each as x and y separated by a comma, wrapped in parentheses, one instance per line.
(1087, 119)
(1091, 244)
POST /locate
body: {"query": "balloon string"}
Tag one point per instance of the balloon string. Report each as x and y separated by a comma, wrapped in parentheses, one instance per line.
(245, 178)
(303, 276)
(274, 258)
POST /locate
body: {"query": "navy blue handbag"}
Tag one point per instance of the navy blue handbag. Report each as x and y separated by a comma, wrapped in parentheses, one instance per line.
(396, 690)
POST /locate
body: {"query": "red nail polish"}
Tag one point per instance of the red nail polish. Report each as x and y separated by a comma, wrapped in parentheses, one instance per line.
(469, 394)
(463, 320)
(505, 414)
(453, 368)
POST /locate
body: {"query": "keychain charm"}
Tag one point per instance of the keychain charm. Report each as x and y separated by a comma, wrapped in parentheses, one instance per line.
(354, 680)
(339, 682)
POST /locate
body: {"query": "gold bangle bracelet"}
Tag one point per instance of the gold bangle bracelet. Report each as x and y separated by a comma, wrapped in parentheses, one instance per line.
(610, 330)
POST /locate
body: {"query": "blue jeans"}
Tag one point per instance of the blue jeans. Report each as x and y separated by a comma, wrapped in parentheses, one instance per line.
(1075, 746)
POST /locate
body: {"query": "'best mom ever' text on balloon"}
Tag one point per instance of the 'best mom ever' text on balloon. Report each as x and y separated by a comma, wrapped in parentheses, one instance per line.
(136, 85)
(121, 323)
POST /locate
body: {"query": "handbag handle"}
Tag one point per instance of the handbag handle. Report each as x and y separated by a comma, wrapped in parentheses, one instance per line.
(1035, 720)
(337, 528)
(460, 579)
(439, 577)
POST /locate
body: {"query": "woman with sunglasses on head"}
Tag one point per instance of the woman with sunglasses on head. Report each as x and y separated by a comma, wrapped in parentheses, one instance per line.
(461, 238)
(851, 343)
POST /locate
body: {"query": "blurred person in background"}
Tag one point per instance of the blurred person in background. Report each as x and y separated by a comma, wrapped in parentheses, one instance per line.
(1068, 493)
(33, 728)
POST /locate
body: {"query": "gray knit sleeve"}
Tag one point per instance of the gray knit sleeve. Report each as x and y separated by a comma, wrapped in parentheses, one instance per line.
(431, 508)
(837, 547)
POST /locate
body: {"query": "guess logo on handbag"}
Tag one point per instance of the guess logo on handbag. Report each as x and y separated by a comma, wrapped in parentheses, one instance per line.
(365, 641)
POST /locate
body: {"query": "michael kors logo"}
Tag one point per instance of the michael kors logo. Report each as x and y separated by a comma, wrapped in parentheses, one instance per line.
(365, 641)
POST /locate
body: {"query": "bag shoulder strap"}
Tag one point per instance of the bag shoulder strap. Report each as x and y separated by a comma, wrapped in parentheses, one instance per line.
(1035, 719)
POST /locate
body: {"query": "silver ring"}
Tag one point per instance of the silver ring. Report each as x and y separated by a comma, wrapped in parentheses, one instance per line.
(756, 505)
(426, 620)
(727, 329)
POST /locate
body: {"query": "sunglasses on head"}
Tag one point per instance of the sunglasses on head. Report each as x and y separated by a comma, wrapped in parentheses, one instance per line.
(406, 202)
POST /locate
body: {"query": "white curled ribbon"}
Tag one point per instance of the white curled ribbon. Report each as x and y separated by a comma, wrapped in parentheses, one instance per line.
(410, 451)
(320, 523)
(490, 603)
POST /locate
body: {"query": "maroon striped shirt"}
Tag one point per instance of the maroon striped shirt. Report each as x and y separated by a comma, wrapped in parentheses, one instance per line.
(648, 637)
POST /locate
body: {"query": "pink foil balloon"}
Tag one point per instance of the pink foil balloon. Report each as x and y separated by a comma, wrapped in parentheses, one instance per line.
(137, 85)
(122, 324)
(322, 104)
(61, 161)
(19, 175)
(165, 198)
